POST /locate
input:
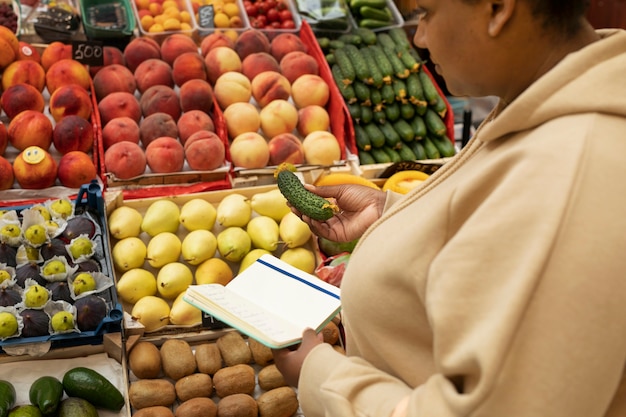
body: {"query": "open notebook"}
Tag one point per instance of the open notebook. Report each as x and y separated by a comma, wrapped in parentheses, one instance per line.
(270, 301)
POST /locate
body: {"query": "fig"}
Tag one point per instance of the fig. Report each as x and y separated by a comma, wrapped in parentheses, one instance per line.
(90, 311)
(36, 323)
(9, 297)
(90, 265)
(29, 270)
(76, 226)
(60, 291)
(8, 255)
(55, 247)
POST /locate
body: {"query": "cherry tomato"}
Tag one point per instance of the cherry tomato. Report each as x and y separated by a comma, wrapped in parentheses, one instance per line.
(257, 23)
(271, 4)
(261, 20)
(275, 24)
(285, 15)
(288, 24)
(261, 7)
(251, 9)
(272, 15)
(280, 5)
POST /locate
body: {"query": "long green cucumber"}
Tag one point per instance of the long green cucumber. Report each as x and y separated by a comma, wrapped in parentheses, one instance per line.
(376, 76)
(430, 91)
(303, 200)
(361, 69)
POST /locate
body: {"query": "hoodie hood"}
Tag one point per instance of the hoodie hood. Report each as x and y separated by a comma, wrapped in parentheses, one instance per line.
(578, 84)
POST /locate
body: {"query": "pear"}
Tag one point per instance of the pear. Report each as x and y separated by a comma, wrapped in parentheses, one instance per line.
(129, 253)
(173, 279)
(62, 321)
(251, 257)
(163, 249)
(184, 314)
(125, 221)
(198, 246)
(197, 214)
(8, 324)
(293, 231)
(36, 234)
(263, 231)
(161, 216)
(11, 230)
(234, 210)
(41, 209)
(301, 258)
(136, 284)
(270, 203)
(233, 243)
(81, 246)
(61, 208)
(53, 267)
(212, 271)
(152, 312)
(84, 282)
(36, 296)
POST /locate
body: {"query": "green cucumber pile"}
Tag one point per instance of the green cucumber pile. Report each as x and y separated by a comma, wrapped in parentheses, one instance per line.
(396, 109)
(372, 14)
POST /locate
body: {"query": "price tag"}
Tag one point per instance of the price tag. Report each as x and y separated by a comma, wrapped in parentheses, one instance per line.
(205, 16)
(88, 53)
(427, 168)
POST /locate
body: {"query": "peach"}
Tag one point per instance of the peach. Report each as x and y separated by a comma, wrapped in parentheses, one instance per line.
(67, 71)
(286, 147)
(312, 118)
(156, 125)
(205, 151)
(232, 87)
(321, 147)
(160, 98)
(125, 160)
(28, 52)
(176, 44)
(119, 104)
(258, 62)
(269, 86)
(139, 49)
(21, 97)
(9, 47)
(192, 121)
(4, 138)
(241, 117)
(54, 52)
(297, 63)
(165, 155)
(251, 41)
(213, 40)
(196, 94)
(283, 43)
(111, 78)
(188, 66)
(6, 174)
(35, 168)
(30, 128)
(70, 99)
(75, 169)
(279, 116)
(309, 89)
(73, 133)
(151, 72)
(110, 55)
(220, 60)
(24, 71)
(118, 130)
(249, 150)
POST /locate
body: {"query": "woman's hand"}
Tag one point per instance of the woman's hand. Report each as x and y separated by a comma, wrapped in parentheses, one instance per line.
(359, 207)
(289, 362)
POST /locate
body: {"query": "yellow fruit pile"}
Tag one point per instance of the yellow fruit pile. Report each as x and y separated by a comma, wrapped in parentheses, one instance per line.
(166, 16)
(226, 13)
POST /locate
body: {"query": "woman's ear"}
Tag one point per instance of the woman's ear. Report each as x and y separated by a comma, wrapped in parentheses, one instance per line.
(501, 12)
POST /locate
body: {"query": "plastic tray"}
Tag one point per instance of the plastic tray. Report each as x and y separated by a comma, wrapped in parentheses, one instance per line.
(89, 202)
(397, 19)
(107, 19)
(206, 28)
(160, 36)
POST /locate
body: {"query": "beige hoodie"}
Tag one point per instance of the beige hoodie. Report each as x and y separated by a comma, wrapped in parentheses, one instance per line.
(499, 287)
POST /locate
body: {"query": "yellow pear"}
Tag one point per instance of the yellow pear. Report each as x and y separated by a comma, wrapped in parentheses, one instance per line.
(161, 216)
(293, 231)
(163, 249)
(136, 284)
(125, 221)
(61, 207)
(270, 203)
(233, 243)
(129, 253)
(197, 214)
(172, 279)
(234, 210)
(301, 258)
(214, 270)
(152, 312)
(251, 257)
(198, 246)
(184, 314)
(263, 231)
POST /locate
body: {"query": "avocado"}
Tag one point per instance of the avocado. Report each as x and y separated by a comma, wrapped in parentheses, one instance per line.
(76, 407)
(25, 411)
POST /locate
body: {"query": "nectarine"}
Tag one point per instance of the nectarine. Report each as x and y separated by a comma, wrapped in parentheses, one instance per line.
(35, 168)
(165, 155)
(125, 160)
(118, 130)
(75, 169)
(73, 133)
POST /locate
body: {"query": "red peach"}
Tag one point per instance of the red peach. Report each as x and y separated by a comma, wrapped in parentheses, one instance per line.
(155, 126)
(297, 63)
(205, 154)
(258, 62)
(188, 66)
(220, 60)
(286, 147)
(283, 43)
(24, 71)
(165, 155)
(251, 41)
(6, 174)
(125, 160)
(70, 99)
(160, 98)
(110, 55)
(54, 52)
(196, 95)
(112, 78)
(312, 118)
(4, 138)
(35, 168)
(67, 71)
(118, 130)
(75, 169)
(139, 49)
(153, 72)
(119, 104)
(30, 128)
(29, 52)
(269, 86)
(193, 121)
(73, 133)
(175, 45)
(20, 97)
(213, 40)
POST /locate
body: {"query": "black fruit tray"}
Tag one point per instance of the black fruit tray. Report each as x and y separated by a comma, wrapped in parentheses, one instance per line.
(89, 203)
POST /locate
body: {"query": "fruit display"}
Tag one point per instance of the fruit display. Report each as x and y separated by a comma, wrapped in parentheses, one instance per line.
(375, 14)
(211, 15)
(56, 282)
(158, 19)
(197, 239)
(273, 15)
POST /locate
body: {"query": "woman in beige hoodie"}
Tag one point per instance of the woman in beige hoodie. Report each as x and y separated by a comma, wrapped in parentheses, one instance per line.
(498, 288)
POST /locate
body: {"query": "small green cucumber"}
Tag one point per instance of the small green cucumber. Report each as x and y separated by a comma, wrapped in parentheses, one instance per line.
(362, 92)
(406, 153)
(46, 393)
(430, 91)
(383, 62)
(362, 140)
(392, 111)
(393, 154)
(355, 4)
(418, 149)
(350, 38)
(419, 127)
(376, 76)
(367, 114)
(434, 124)
(405, 131)
(306, 202)
(392, 138)
(361, 69)
(92, 386)
(431, 150)
(400, 37)
(407, 59)
(407, 111)
(346, 90)
(380, 156)
(387, 93)
(377, 138)
(444, 145)
(366, 158)
(345, 65)
(355, 111)
(368, 36)
(375, 13)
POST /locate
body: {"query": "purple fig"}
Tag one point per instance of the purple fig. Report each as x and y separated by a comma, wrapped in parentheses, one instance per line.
(8, 255)
(76, 226)
(9, 297)
(36, 323)
(90, 265)
(90, 311)
(28, 270)
(55, 247)
(60, 291)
